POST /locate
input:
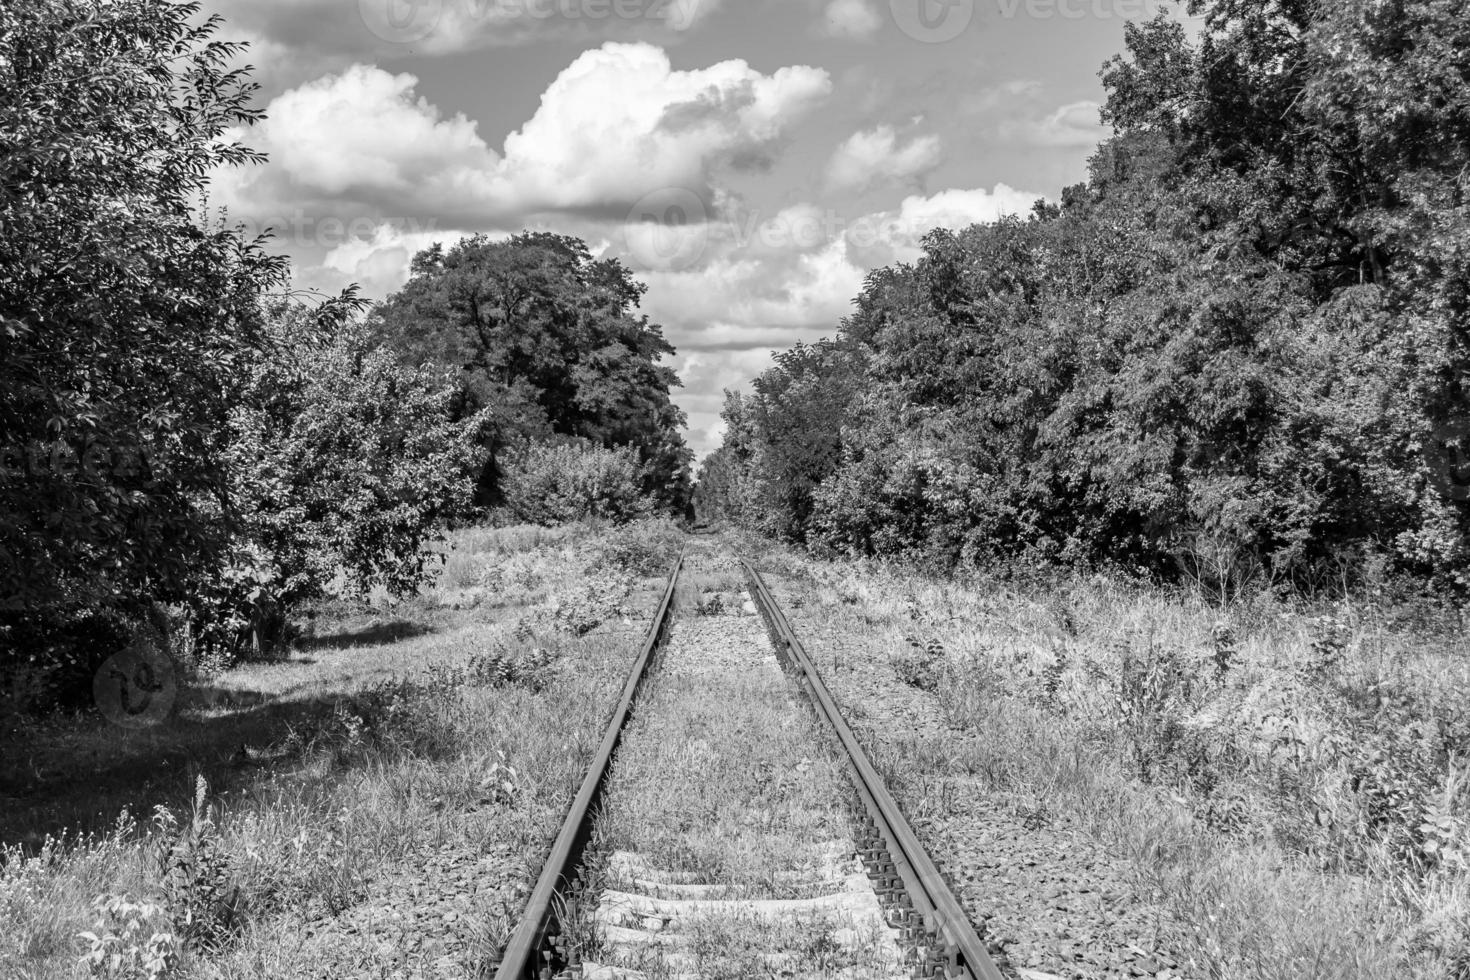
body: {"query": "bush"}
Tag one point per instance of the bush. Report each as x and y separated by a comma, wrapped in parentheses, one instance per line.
(560, 483)
(646, 547)
(344, 462)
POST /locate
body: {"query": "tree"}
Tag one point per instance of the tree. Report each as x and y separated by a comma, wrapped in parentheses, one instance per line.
(1333, 140)
(548, 340)
(126, 330)
(1244, 337)
(797, 413)
(342, 461)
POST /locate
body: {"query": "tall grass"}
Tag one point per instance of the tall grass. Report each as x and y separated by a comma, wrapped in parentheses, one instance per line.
(1292, 778)
(470, 733)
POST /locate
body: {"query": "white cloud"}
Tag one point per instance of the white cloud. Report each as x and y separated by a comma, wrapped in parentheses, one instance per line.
(857, 20)
(616, 125)
(1071, 126)
(619, 123)
(362, 134)
(757, 281)
(875, 155)
(886, 237)
(348, 30)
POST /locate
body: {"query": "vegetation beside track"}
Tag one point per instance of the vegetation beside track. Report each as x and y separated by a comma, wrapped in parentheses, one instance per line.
(400, 746)
(1287, 777)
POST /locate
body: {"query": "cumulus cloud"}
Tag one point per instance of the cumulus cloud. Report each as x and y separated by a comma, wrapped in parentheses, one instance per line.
(336, 30)
(378, 262)
(1071, 126)
(876, 156)
(758, 279)
(856, 20)
(886, 237)
(615, 126)
(620, 123)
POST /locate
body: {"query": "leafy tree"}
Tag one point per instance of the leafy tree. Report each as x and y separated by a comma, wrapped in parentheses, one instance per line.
(798, 409)
(1244, 337)
(1333, 139)
(724, 486)
(170, 435)
(126, 330)
(548, 340)
(343, 461)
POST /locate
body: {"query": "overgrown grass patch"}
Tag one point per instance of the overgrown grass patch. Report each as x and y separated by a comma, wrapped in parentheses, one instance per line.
(323, 776)
(1292, 777)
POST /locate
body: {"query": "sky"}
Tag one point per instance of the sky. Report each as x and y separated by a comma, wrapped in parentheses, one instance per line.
(750, 160)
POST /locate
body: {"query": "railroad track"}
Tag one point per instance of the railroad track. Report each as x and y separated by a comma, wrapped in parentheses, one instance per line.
(875, 886)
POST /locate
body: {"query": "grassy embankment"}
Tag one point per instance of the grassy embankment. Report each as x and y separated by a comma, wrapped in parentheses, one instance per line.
(459, 721)
(1292, 778)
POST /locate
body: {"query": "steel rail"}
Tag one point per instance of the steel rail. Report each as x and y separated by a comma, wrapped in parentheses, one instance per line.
(902, 867)
(527, 954)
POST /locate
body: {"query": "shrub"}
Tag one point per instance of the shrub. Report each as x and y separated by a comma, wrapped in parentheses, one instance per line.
(644, 547)
(921, 665)
(131, 941)
(344, 462)
(591, 602)
(125, 328)
(1153, 693)
(559, 483)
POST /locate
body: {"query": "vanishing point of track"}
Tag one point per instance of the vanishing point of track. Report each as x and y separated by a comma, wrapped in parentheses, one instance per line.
(934, 930)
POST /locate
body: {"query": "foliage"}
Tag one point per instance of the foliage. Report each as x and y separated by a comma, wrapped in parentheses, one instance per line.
(200, 891)
(591, 602)
(642, 547)
(131, 941)
(547, 341)
(126, 329)
(712, 604)
(344, 462)
(1234, 355)
(174, 437)
(558, 483)
(921, 665)
(798, 408)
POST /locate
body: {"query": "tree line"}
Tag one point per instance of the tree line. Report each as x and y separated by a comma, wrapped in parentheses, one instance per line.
(1238, 351)
(188, 447)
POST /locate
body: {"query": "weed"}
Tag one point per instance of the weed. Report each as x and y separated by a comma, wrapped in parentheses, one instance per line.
(199, 888)
(1225, 647)
(131, 941)
(1153, 693)
(1051, 678)
(921, 665)
(592, 601)
(642, 548)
